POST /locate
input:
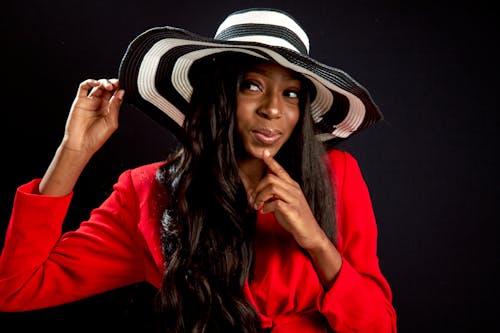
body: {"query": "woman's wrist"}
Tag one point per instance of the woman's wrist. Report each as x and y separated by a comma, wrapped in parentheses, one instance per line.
(327, 261)
(64, 171)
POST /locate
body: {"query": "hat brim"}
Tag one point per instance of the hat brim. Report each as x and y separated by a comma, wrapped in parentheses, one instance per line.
(154, 72)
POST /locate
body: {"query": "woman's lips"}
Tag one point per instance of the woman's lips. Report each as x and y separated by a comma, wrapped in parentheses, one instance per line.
(266, 136)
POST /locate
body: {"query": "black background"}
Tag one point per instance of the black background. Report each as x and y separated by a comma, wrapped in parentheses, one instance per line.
(431, 165)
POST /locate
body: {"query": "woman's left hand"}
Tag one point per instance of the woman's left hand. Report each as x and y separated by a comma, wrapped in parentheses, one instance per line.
(278, 193)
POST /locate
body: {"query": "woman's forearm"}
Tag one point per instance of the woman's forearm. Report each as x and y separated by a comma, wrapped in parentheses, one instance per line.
(63, 172)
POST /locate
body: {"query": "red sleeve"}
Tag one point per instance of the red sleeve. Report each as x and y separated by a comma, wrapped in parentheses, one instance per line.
(39, 267)
(360, 300)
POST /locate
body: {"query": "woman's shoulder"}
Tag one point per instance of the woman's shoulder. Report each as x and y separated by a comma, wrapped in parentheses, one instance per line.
(143, 176)
(342, 164)
(146, 170)
(340, 158)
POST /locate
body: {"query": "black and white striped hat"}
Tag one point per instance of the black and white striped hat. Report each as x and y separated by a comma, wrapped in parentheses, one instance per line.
(155, 70)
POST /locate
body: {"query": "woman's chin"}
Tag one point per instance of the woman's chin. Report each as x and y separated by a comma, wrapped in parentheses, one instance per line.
(258, 152)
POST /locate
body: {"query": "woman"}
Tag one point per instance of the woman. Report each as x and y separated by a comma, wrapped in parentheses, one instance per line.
(250, 226)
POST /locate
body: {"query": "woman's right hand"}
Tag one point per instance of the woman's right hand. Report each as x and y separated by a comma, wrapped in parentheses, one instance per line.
(93, 117)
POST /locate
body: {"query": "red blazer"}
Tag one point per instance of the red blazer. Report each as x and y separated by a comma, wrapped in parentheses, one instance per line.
(119, 245)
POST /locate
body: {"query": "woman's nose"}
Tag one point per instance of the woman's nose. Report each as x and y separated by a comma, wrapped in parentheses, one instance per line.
(271, 106)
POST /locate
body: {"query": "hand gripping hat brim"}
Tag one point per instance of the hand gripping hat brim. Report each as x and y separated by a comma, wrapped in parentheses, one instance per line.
(155, 70)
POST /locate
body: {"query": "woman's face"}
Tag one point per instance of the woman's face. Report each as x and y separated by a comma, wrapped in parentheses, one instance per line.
(268, 108)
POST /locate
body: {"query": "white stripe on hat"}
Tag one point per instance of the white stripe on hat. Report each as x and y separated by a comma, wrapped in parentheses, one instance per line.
(264, 17)
(147, 72)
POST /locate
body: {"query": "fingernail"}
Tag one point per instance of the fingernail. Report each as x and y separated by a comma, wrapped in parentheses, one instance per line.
(267, 153)
(120, 94)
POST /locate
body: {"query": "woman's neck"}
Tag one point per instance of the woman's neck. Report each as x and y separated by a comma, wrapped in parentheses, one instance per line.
(251, 171)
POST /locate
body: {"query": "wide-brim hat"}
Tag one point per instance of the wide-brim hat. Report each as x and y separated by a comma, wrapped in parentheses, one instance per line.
(154, 70)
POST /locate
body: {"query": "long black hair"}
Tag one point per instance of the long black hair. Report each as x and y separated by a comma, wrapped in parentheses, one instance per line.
(208, 228)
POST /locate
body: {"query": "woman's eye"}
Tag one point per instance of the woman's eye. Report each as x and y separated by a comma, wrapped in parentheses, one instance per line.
(292, 94)
(249, 85)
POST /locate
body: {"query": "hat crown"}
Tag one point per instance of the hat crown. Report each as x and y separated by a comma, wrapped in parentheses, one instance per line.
(264, 25)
